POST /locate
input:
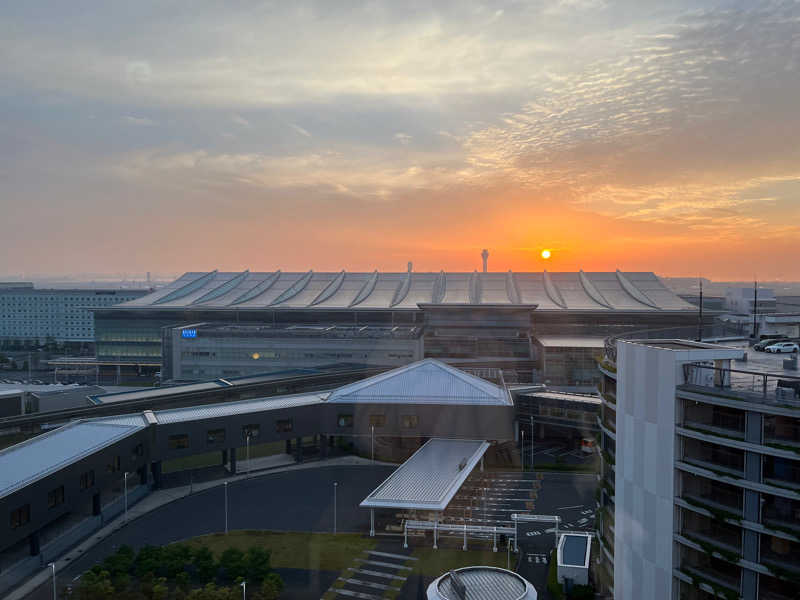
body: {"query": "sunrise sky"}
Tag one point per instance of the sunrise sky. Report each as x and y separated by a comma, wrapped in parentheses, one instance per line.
(171, 136)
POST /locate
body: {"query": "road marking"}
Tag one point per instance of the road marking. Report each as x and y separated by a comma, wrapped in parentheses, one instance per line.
(569, 507)
(390, 555)
(383, 564)
(366, 584)
(345, 592)
(376, 574)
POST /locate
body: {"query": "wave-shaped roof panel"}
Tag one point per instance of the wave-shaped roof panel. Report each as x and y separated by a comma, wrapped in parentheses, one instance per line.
(573, 293)
(494, 288)
(532, 291)
(347, 292)
(420, 291)
(609, 286)
(655, 290)
(306, 291)
(383, 293)
(456, 288)
(284, 282)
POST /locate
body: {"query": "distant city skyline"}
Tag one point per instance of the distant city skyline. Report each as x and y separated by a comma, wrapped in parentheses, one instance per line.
(640, 136)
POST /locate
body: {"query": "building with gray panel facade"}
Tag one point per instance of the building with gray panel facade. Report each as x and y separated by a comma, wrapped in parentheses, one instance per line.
(701, 475)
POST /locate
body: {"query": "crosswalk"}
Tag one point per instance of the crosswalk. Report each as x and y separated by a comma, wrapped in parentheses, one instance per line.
(374, 576)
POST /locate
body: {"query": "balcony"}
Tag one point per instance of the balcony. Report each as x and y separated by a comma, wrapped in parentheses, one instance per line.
(780, 555)
(721, 499)
(782, 514)
(720, 459)
(770, 389)
(782, 472)
(774, 588)
(713, 534)
(715, 420)
(703, 568)
(782, 432)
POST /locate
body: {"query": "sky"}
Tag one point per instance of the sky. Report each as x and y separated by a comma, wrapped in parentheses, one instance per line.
(172, 136)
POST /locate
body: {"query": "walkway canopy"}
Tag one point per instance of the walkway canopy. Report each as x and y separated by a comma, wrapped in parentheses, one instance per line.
(430, 478)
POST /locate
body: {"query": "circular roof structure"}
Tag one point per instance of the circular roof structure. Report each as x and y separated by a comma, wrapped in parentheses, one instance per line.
(481, 583)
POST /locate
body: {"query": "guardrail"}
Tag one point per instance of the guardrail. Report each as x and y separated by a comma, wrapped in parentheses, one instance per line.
(754, 386)
(436, 528)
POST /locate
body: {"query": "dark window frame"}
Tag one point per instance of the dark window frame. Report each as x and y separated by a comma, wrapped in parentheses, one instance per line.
(377, 420)
(284, 425)
(179, 441)
(215, 436)
(20, 516)
(55, 497)
(344, 420)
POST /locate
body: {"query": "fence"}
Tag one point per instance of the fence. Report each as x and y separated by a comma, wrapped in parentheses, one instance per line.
(481, 531)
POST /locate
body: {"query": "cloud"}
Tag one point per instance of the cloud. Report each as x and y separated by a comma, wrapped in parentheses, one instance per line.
(240, 120)
(144, 121)
(300, 130)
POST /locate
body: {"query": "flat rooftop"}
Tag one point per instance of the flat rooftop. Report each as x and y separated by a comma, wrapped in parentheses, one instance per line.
(430, 478)
(573, 550)
(570, 341)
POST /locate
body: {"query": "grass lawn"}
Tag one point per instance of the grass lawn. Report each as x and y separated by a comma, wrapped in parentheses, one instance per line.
(433, 563)
(213, 459)
(311, 551)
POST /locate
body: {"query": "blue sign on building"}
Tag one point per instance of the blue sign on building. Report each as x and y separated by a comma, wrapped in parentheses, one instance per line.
(189, 333)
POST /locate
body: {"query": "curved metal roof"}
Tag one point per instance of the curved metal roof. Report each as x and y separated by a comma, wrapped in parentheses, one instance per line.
(579, 291)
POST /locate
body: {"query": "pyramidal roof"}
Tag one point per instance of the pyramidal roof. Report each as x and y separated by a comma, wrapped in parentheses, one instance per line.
(425, 382)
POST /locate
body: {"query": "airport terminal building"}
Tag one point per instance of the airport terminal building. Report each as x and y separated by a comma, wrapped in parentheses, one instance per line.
(229, 324)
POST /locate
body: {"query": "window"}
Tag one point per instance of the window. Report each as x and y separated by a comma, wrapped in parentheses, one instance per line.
(55, 497)
(87, 480)
(253, 430)
(138, 450)
(283, 426)
(377, 420)
(410, 421)
(215, 436)
(113, 466)
(20, 516)
(345, 421)
(178, 442)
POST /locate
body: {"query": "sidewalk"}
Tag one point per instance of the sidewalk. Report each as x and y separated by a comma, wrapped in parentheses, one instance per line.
(158, 498)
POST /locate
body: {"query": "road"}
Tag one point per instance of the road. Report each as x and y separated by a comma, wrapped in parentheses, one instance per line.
(300, 500)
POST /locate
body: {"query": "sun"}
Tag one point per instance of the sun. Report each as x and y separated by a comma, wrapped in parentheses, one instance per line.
(545, 253)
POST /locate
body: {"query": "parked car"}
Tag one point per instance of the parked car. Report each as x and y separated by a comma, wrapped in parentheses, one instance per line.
(783, 347)
(763, 344)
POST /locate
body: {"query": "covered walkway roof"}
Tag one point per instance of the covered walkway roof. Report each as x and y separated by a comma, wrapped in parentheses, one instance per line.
(430, 478)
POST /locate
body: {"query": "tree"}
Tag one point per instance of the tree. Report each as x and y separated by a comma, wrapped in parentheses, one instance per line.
(257, 565)
(232, 562)
(272, 587)
(95, 585)
(205, 564)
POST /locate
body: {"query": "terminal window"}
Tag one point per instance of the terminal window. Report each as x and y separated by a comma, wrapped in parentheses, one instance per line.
(87, 480)
(377, 420)
(283, 426)
(55, 497)
(345, 421)
(410, 421)
(178, 442)
(113, 466)
(215, 436)
(20, 516)
(253, 430)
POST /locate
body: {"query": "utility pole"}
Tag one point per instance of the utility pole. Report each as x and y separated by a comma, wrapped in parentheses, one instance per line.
(522, 449)
(700, 323)
(335, 485)
(755, 309)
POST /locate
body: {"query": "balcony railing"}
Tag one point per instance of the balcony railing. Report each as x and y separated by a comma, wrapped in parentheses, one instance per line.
(709, 332)
(749, 386)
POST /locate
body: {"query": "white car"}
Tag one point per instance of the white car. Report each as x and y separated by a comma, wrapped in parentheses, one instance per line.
(783, 347)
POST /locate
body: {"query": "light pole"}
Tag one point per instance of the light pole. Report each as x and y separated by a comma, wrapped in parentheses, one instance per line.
(226, 508)
(248, 452)
(532, 434)
(52, 565)
(522, 451)
(335, 485)
(244, 590)
(372, 430)
(125, 481)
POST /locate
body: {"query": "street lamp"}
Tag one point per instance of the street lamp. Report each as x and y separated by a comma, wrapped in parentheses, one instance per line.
(248, 452)
(532, 434)
(244, 590)
(52, 565)
(125, 480)
(335, 485)
(522, 451)
(226, 507)
(372, 430)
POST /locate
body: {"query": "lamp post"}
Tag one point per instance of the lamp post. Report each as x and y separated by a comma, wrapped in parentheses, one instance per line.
(125, 480)
(372, 431)
(244, 590)
(226, 507)
(522, 451)
(248, 452)
(52, 565)
(532, 434)
(335, 485)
